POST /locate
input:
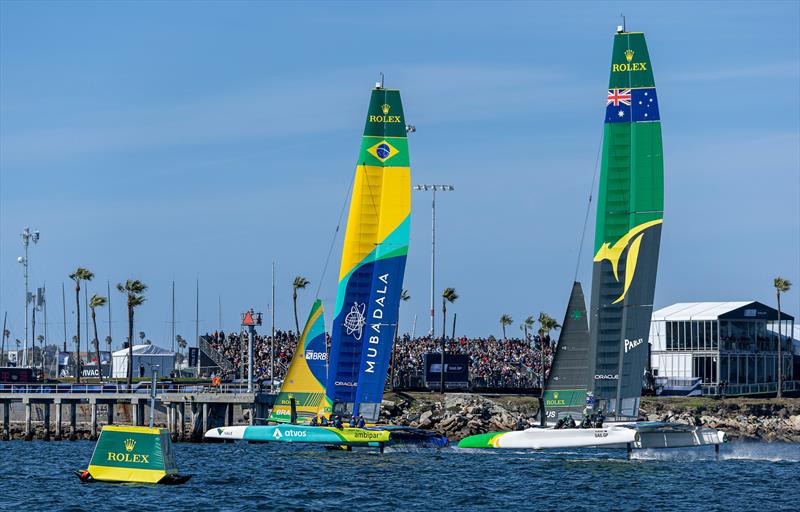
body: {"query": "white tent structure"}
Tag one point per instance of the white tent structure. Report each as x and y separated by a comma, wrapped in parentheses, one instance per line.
(147, 356)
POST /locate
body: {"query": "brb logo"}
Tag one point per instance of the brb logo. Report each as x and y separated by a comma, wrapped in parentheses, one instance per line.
(316, 356)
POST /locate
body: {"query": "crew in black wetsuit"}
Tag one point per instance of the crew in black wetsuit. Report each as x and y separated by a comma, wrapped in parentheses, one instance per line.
(598, 420)
(337, 422)
(570, 423)
(561, 423)
(323, 421)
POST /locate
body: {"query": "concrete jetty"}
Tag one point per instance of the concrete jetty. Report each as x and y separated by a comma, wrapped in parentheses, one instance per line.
(187, 411)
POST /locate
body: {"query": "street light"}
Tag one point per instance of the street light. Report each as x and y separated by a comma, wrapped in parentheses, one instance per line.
(27, 237)
(434, 189)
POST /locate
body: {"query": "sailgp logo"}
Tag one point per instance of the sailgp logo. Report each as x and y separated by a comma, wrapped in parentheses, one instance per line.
(354, 321)
(632, 240)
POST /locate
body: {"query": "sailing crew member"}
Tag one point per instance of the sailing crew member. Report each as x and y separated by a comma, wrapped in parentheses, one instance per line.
(337, 422)
(323, 421)
(352, 421)
(570, 423)
(314, 421)
(361, 422)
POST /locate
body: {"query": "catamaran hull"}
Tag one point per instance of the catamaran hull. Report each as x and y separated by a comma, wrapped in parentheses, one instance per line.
(300, 434)
(545, 438)
(642, 436)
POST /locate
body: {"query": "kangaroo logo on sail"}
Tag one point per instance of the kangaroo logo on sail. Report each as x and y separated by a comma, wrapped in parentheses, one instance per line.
(385, 118)
(632, 240)
(354, 321)
(629, 65)
(631, 344)
(377, 316)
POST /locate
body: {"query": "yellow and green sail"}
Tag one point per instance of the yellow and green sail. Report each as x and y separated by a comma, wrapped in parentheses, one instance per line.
(373, 261)
(630, 212)
(305, 381)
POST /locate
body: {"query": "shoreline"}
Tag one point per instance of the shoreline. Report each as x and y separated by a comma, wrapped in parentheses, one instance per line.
(463, 414)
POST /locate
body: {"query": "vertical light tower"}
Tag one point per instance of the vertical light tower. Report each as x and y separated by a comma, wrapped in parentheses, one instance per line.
(434, 189)
(27, 237)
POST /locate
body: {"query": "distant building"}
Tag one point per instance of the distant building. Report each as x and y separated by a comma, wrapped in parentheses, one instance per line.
(717, 348)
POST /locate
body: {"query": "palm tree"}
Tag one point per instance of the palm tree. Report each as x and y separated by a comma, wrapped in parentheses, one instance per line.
(505, 320)
(97, 301)
(546, 324)
(108, 342)
(404, 296)
(527, 325)
(80, 274)
(134, 291)
(781, 286)
(448, 295)
(299, 283)
(141, 336)
(180, 341)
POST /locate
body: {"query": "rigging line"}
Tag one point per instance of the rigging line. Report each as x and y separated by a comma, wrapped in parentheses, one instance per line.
(588, 208)
(335, 233)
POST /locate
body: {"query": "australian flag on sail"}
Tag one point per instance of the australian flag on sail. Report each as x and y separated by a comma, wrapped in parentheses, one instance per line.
(632, 105)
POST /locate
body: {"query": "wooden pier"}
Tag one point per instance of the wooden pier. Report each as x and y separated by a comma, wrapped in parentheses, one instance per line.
(196, 407)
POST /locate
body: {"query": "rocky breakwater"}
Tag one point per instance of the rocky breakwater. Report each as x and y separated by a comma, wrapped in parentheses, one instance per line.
(462, 414)
(740, 418)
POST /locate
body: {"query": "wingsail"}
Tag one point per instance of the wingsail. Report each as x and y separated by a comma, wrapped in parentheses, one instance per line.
(305, 381)
(569, 379)
(373, 261)
(628, 230)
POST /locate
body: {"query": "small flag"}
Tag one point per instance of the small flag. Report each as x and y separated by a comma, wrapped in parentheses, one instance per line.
(632, 105)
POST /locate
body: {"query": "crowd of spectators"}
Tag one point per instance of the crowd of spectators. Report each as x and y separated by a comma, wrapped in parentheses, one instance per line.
(494, 363)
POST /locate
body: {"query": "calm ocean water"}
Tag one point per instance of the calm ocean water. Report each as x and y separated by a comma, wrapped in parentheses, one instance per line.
(749, 476)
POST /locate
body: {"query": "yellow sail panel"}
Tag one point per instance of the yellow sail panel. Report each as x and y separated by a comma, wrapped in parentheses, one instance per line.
(306, 378)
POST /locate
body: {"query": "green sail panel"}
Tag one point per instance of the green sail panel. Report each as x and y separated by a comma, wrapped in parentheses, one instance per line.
(569, 378)
(630, 211)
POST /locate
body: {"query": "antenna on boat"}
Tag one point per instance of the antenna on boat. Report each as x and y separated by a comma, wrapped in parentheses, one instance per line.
(379, 85)
(623, 27)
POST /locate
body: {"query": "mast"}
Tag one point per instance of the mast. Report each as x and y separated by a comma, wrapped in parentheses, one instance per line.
(272, 340)
(64, 306)
(173, 316)
(373, 261)
(108, 291)
(628, 228)
(3, 344)
(197, 322)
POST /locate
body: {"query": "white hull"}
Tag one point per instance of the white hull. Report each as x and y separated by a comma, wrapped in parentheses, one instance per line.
(643, 435)
(544, 438)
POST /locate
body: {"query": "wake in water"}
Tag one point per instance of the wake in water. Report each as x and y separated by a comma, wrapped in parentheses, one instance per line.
(769, 452)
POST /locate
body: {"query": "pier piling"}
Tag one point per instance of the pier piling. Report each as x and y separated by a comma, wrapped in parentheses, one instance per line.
(93, 407)
(28, 433)
(6, 420)
(73, 421)
(46, 435)
(57, 403)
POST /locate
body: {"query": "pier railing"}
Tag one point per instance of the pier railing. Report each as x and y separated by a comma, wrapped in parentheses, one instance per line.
(142, 388)
(219, 359)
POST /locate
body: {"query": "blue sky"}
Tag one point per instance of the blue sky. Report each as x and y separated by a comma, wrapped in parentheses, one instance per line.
(170, 141)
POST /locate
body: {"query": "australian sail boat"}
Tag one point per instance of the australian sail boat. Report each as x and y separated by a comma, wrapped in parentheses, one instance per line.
(598, 368)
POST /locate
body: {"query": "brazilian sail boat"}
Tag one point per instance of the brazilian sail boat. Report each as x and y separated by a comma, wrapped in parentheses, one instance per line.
(373, 262)
(367, 305)
(597, 371)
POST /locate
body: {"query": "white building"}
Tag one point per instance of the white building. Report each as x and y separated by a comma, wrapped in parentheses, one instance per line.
(721, 347)
(145, 359)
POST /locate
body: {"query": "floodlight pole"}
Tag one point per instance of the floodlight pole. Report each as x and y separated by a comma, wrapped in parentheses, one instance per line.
(27, 237)
(433, 188)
